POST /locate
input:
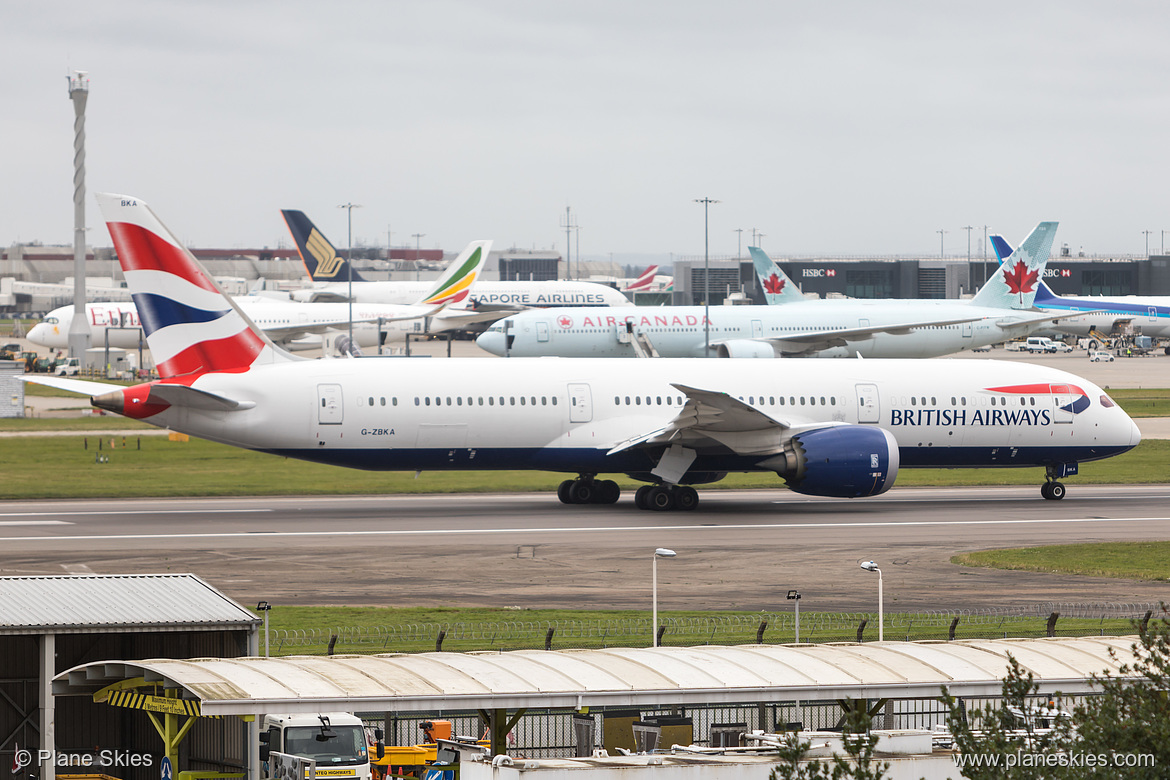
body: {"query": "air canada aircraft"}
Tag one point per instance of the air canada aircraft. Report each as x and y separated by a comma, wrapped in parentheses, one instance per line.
(331, 274)
(299, 325)
(798, 327)
(1089, 313)
(833, 428)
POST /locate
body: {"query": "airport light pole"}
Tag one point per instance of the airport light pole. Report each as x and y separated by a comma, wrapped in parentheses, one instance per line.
(942, 235)
(969, 228)
(661, 552)
(417, 251)
(265, 607)
(739, 243)
(349, 207)
(794, 596)
(1147, 234)
(706, 276)
(871, 566)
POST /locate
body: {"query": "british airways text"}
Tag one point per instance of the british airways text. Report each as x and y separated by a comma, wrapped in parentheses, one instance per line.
(956, 417)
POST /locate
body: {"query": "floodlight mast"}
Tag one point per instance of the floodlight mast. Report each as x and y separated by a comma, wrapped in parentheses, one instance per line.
(871, 566)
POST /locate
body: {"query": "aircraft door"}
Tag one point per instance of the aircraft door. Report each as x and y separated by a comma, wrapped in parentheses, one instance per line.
(580, 403)
(757, 329)
(868, 408)
(967, 329)
(1153, 313)
(329, 411)
(1062, 401)
(541, 331)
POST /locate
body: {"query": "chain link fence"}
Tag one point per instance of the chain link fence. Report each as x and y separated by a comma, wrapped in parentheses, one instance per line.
(1048, 619)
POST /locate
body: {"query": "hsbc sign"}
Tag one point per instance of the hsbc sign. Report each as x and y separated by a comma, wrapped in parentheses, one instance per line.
(818, 272)
(1050, 273)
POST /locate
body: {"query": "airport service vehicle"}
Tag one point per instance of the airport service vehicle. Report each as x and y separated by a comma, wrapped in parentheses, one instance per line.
(334, 277)
(834, 428)
(1039, 344)
(336, 741)
(300, 325)
(797, 327)
(68, 367)
(1100, 356)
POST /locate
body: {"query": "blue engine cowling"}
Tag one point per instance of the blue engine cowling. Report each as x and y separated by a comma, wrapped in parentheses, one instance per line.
(845, 461)
(745, 348)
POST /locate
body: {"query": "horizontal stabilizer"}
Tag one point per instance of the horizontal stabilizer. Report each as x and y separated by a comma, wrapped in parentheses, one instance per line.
(80, 386)
(190, 398)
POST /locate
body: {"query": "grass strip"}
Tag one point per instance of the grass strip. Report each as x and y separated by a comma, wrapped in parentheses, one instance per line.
(1119, 560)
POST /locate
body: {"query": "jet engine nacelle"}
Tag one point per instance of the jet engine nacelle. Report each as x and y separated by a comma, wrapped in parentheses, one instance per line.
(845, 461)
(745, 348)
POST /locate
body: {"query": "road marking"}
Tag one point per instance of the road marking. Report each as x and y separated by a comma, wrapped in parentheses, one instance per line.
(118, 512)
(33, 522)
(605, 529)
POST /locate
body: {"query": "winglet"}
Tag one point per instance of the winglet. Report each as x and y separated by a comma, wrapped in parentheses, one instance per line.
(319, 256)
(777, 287)
(1014, 284)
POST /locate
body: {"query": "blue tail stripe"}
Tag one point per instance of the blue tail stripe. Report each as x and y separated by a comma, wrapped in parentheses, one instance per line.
(156, 312)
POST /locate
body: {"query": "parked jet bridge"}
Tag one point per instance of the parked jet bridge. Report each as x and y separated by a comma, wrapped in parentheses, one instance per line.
(499, 682)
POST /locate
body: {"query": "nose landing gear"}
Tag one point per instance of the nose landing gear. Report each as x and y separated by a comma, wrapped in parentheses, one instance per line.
(1051, 489)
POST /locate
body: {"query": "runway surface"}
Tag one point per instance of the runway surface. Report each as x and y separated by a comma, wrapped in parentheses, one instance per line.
(740, 550)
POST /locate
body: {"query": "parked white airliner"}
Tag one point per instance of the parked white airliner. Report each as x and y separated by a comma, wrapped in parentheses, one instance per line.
(800, 328)
(331, 273)
(295, 325)
(834, 428)
(1087, 313)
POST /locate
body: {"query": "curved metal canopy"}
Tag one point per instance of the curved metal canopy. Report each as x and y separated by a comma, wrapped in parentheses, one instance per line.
(614, 676)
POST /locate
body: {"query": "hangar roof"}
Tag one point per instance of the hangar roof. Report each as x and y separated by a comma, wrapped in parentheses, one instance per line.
(75, 604)
(614, 676)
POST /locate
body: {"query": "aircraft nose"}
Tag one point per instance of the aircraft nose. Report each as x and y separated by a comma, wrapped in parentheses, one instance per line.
(492, 341)
(1135, 434)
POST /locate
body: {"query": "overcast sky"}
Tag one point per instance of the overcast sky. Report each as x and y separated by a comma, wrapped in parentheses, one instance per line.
(854, 127)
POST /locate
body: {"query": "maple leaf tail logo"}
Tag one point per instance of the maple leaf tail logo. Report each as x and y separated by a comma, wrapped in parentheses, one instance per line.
(774, 284)
(1020, 280)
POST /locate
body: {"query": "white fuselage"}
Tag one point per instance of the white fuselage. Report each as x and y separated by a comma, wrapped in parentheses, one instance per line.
(119, 322)
(566, 415)
(682, 331)
(1149, 314)
(526, 294)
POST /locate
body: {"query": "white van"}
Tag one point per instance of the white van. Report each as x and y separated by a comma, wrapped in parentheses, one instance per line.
(1039, 344)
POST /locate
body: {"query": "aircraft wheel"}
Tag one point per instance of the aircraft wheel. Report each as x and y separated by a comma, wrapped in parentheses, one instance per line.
(583, 492)
(660, 498)
(1056, 491)
(608, 492)
(564, 491)
(686, 498)
(640, 497)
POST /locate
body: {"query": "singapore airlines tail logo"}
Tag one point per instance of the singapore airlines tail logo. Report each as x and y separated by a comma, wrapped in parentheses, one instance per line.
(328, 263)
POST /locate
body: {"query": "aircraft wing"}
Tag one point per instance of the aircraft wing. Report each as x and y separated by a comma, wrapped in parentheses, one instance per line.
(318, 296)
(1051, 317)
(713, 418)
(809, 342)
(285, 333)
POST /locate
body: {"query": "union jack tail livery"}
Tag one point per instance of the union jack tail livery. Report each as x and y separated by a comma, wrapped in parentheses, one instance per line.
(643, 282)
(1015, 282)
(191, 327)
(777, 287)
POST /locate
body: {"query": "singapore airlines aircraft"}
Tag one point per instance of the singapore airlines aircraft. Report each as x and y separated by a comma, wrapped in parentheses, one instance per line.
(295, 325)
(331, 276)
(1149, 313)
(834, 428)
(797, 328)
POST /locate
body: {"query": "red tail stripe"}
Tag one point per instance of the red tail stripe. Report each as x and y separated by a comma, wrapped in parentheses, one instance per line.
(234, 353)
(141, 250)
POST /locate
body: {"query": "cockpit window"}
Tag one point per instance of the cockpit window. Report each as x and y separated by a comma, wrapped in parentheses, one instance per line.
(51, 320)
(1106, 401)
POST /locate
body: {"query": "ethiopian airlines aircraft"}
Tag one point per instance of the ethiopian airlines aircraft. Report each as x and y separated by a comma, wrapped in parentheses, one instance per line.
(834, 428)
(296, 325)
(331, 273)
(797, 328)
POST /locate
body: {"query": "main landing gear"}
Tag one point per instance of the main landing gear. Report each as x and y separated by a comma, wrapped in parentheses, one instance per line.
(587, 490)
(663, 498)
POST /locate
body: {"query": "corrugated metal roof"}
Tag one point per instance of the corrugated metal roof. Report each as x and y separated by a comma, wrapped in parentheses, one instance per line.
(115, 602)
(614, 676)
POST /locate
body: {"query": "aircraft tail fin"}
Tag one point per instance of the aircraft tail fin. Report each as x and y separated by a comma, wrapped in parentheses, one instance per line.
(321, 259)
(456, 283)
(191, 326)
(1014, 284)
(643, 282)
(1044, 293)
(777, 287)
